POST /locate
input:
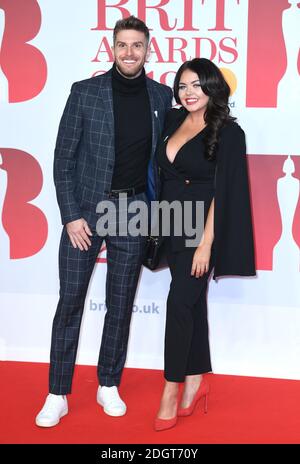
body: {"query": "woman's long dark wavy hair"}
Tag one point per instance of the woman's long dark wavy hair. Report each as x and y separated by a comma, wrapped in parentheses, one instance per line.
(216, 88)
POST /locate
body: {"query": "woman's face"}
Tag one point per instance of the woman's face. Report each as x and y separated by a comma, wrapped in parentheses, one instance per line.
(190, 93)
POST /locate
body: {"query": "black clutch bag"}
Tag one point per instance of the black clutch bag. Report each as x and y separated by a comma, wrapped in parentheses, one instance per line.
(155, 256)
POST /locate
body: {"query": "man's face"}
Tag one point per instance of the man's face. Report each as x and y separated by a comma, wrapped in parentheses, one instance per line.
(130, 51)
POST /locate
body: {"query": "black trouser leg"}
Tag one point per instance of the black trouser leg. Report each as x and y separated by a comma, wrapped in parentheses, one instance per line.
(186, 341)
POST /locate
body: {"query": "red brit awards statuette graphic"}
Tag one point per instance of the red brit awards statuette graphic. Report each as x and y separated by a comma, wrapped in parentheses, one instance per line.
(288, 197)
(275, 194)
(273, 51)
(23, 68)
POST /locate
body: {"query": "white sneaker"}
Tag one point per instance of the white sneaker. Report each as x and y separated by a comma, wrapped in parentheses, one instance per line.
(109, 399)
(55, 407)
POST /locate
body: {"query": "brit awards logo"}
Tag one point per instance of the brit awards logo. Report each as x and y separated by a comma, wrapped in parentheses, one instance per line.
(23, 68)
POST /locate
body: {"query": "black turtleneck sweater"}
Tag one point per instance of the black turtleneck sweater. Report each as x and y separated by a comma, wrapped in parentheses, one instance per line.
(133, 130)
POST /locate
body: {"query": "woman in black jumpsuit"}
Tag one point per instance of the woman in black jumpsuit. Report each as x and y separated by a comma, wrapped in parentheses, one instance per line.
(202, 159)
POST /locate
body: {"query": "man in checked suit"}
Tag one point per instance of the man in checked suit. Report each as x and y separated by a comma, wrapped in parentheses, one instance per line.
(105, 147)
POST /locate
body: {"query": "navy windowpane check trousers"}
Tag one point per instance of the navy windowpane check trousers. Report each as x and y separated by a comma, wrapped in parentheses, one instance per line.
(124, 260)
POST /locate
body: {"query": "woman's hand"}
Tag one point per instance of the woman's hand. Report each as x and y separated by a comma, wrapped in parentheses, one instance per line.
(201, 260)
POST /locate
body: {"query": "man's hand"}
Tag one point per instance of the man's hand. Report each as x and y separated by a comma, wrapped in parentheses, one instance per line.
(78, 232)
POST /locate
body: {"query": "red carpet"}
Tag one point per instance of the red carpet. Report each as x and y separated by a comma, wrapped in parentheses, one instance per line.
(240, 410)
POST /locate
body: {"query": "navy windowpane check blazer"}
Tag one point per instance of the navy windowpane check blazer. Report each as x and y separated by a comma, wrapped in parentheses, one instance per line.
(85, 150)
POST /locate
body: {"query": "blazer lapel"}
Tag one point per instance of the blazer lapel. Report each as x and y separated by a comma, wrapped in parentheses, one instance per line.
(106, 94)
(154, 116)
(176, 123)
(107, 97)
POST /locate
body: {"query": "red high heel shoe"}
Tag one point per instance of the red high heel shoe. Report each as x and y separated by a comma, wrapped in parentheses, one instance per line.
(203, 390)
(164, 424)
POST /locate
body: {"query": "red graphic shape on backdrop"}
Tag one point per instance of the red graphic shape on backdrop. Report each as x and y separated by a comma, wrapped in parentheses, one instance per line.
(264, 172)
(100, 258)
(23, 64)
(296, 223)
(266, 61)
(25, 224)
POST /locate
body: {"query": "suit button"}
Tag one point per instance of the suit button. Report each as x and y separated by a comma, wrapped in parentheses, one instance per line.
(110, 166)
(106, 191)
(187, 181)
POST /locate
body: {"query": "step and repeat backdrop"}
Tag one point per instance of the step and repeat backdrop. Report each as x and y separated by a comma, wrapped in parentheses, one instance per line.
(46, 45)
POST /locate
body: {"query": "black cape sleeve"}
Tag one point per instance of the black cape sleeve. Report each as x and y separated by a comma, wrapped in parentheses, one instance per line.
(233, 231)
